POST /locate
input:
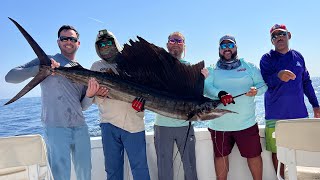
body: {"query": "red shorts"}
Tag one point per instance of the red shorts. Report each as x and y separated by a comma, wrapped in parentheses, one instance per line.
(248, 142)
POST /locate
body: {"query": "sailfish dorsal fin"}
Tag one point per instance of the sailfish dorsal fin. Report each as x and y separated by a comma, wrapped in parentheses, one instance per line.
(152, 66)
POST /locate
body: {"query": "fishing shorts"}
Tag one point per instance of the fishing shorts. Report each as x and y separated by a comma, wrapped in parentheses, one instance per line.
(248, 142)
(270, 136)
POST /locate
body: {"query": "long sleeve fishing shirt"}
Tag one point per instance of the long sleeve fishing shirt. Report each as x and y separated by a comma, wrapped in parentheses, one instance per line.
(285, 100)
(118, 113)
(62, 100)
(235, 82)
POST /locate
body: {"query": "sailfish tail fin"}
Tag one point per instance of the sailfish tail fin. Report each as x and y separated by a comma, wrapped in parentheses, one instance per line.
(44, 67)
(43, 73)
(44, 59)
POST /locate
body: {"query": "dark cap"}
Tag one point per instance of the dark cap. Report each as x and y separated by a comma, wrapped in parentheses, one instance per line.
(227, 38)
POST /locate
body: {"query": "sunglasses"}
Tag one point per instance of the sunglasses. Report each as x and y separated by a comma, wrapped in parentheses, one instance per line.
(102, 44)
(65, 39)
(227, 45)
(174, 40)
(279, 34)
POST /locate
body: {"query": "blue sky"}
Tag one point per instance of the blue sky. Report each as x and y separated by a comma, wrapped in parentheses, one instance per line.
(202, 23)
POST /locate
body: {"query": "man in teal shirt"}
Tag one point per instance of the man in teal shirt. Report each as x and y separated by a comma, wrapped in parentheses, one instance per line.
(232, 75)
(168, 130)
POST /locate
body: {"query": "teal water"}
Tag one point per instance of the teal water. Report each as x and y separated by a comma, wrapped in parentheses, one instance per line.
(23, 116)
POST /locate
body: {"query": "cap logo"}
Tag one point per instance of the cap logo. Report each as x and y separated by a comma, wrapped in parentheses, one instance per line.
(103, 32)
(278, 26)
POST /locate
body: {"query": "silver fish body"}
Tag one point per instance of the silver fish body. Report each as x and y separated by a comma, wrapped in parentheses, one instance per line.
(160, 102)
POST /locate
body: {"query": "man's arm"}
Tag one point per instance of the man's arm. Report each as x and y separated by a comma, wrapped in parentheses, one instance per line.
(269, 74)
(93, 93)
(212, 92)
(209, 90)
(310, 93)
(258, 81)
(309, 90)
(21, 73)
(90, 91)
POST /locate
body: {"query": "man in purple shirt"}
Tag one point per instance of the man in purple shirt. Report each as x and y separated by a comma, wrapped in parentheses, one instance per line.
(288, 80)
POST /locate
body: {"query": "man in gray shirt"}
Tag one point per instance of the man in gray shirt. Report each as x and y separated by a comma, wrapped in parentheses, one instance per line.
(63, 101)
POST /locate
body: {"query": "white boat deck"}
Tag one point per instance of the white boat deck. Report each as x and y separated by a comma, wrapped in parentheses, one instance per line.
(204, 156)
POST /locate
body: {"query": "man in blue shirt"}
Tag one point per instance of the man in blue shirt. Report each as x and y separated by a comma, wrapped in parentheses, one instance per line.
(288, 80)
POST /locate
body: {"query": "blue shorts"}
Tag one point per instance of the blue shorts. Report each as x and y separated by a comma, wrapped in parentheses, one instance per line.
(63, 142)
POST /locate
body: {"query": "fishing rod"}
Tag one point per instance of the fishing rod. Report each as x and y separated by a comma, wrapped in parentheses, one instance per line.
(247, 92)
(189, 126)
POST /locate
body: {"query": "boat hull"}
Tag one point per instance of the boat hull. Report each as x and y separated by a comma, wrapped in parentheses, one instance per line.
(204, 156)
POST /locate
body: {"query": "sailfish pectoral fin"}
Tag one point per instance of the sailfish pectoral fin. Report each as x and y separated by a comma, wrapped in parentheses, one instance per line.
(43, 73)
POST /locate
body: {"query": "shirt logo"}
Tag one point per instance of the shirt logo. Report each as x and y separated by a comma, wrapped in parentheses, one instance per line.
(242, 69)
(104, 69)
(298, 64)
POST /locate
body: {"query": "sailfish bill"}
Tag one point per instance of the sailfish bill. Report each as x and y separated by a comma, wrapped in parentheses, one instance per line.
(170, 88)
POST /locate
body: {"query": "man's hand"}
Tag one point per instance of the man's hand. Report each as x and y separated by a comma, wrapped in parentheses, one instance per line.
(205, 72)
(54, 64)
(138, 104)
(286, 75)
(93, 87)
(102, 92)
(316, 112)
(225, 98)
(252, 92)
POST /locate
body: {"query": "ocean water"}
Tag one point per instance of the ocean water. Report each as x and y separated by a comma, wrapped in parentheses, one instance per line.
(23, 116)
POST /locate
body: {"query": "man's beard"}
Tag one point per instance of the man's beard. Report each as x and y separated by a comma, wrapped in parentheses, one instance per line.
(233, 56)
(108, 53)
(176, 53)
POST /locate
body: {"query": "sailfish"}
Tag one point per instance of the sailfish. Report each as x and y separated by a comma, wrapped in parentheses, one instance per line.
(170, 88)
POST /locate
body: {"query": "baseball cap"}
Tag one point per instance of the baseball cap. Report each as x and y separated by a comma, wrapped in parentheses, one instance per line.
(280, 27)
(104, 34)
(227, 38)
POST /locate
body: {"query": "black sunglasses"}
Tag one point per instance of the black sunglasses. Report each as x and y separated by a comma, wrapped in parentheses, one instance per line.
(65, 39)
(279, 34)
